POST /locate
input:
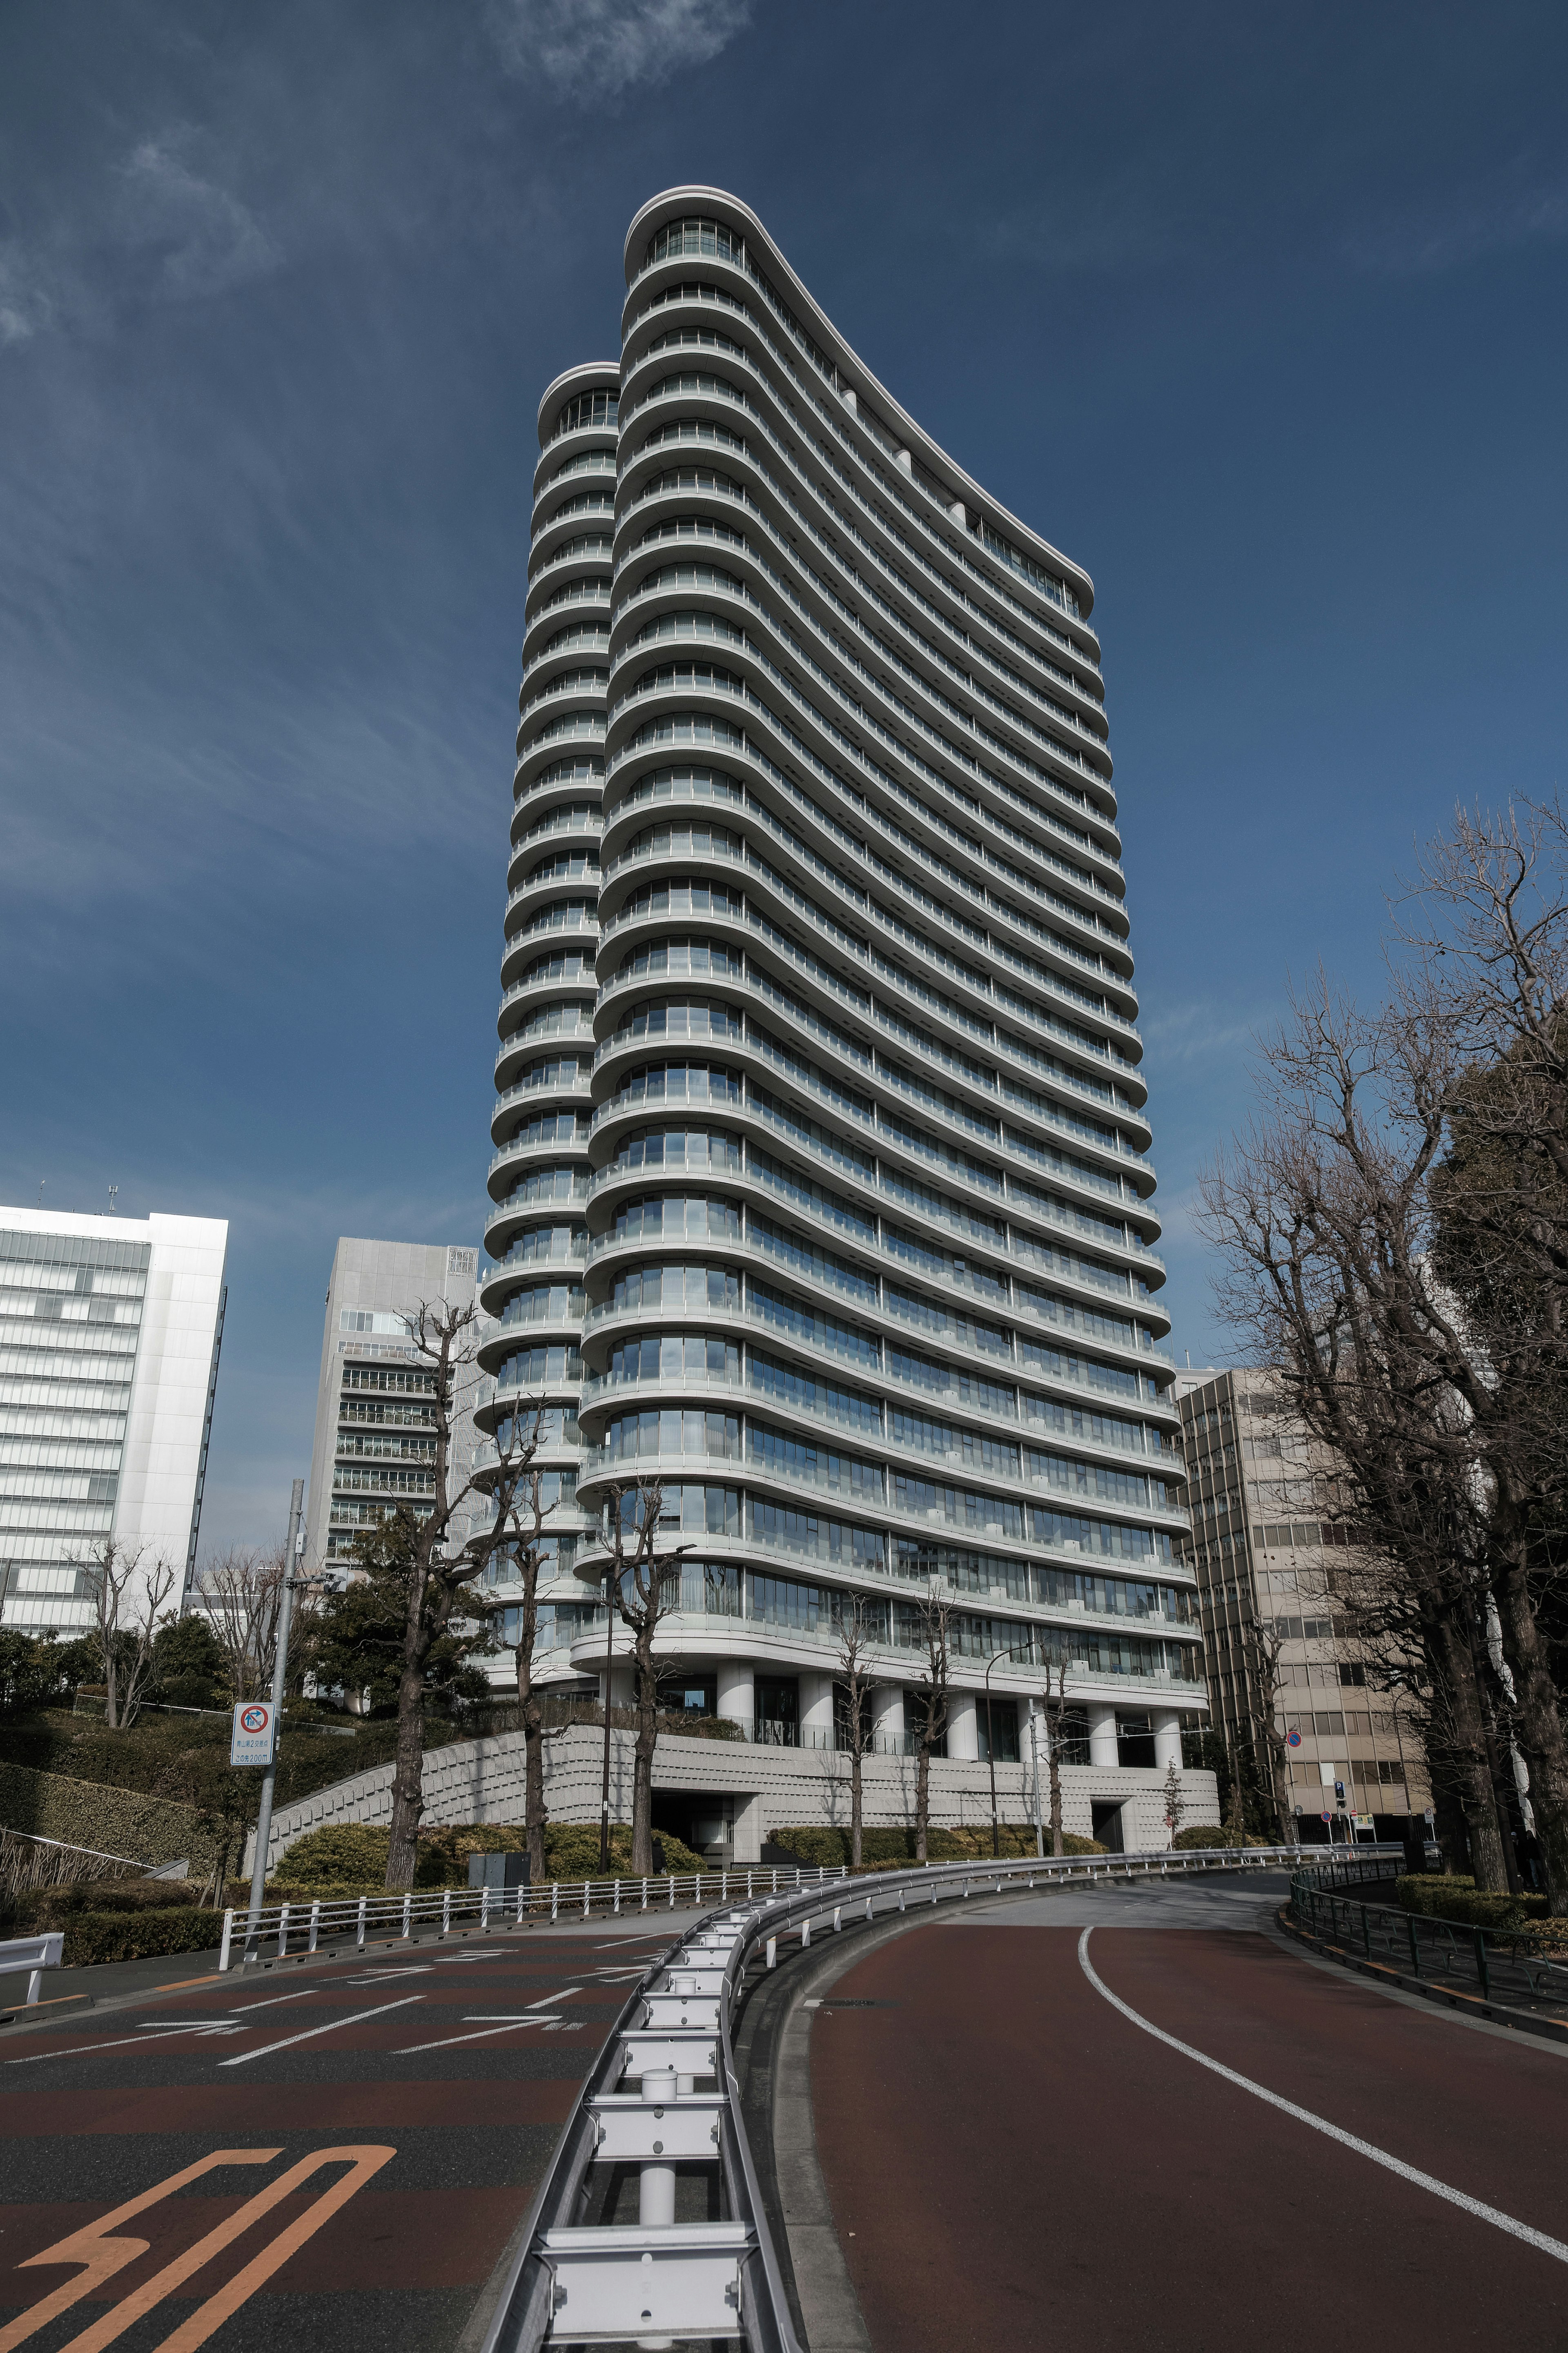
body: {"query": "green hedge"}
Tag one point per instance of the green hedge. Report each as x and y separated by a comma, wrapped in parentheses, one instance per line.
(1198, 1835)
(818, 1847)
(350, 1858)
(92, 1936)
(1437, 1896)
(143, 1828)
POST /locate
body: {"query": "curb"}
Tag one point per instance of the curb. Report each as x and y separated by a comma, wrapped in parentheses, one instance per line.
(1468, 2005)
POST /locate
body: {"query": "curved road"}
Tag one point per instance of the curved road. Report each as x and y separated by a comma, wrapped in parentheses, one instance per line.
(1012, 2160)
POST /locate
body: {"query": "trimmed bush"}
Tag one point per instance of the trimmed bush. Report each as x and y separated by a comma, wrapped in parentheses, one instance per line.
(1198, 1835)
(1440, 1897)
(818, 1847)
(337, 1854)
(95, 1937)
(350, 1858)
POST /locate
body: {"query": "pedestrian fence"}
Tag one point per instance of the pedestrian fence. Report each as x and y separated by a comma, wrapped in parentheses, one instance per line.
(283, 1929)
(663, 2093)
(1500, 1964)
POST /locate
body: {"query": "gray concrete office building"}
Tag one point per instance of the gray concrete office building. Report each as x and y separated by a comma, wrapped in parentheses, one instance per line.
(375, 1445)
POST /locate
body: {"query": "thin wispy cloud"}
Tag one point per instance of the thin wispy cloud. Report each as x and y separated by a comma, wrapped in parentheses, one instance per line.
(1468, 229)
(1193, 1033)
(597, 49)
(26, 304)
(206, 239)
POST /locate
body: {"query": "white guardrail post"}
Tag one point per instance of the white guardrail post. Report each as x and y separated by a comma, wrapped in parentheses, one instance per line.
(663, 2093)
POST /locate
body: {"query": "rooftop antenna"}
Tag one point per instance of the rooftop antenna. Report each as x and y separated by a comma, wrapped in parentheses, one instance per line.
(42, 1182)
(1189, 1357)
(112, 1191)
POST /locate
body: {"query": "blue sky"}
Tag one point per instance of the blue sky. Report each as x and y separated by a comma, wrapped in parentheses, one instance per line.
(1259, 312)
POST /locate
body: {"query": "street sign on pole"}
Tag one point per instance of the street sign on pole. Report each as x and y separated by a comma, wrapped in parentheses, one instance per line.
(255, 1736)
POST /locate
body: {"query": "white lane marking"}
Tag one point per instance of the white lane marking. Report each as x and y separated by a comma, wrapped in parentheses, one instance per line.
(1475, 2206)
(243, 2058)
(271, 2002)
(75, 2050)
(508, 2026)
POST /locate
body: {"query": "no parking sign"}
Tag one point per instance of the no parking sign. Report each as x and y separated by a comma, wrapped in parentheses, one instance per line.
(254, 1733)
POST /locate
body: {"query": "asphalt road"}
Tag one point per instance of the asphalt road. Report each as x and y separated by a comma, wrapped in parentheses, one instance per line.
(336, 2156)
(1012, 2160)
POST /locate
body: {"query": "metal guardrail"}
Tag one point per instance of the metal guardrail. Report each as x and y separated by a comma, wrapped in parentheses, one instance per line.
(1498, 1963)
(283, 1929)
(659, 2281)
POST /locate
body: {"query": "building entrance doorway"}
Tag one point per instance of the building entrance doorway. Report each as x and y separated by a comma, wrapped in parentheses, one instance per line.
(1107, 1825)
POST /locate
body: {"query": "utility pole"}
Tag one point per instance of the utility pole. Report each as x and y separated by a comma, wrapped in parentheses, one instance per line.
(1035, 1751)
(279, 1672)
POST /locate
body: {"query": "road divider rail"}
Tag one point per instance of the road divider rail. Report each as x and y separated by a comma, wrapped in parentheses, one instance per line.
(657, 2280)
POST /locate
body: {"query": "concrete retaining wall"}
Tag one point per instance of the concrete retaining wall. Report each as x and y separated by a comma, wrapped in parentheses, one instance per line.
(768, 1789)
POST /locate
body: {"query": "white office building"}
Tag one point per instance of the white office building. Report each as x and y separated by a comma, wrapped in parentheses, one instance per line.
(109, 1334)
(374, 1444)
(821, 1188)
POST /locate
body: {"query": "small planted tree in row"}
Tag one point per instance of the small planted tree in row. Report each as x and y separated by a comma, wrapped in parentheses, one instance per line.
(242, 1595)
(935, 1622)
(642, 1587)
(1053, 1707)
(1175, 1803)
(528, 1552)
(854, 1626)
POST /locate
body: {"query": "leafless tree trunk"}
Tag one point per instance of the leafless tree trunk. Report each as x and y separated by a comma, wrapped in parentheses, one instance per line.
(1053, 1707)
(527, 1559)
(645, 1586)
(438, 1578)
(126, 1603)
(935, 1620)
(853, 1632)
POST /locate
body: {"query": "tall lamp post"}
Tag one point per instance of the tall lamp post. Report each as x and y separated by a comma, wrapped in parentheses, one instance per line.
(991, 1742)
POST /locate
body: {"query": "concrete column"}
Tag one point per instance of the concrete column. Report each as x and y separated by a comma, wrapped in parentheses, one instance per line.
(963, 1731)
(1167, 1737)
(907, 460)
(620, 1685)
(815, 1711)
(748, 1841)
(887, 1715)
(1103, 1736)
(736, 1691)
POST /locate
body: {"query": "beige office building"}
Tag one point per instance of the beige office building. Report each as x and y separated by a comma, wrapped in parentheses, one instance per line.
(1270, 1550)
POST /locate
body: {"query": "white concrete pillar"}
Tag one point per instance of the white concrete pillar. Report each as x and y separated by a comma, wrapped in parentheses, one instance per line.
(963, 1731)
(738, 1692)
(1102, 1747)
(887, 1717)
(815, 1711)
(620, 1683)
(1167, 1737)
(748, 1831)
(907, 460)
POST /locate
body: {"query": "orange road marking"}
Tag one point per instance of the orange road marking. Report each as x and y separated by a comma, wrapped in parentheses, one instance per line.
(363, 2164)
(104, 2255)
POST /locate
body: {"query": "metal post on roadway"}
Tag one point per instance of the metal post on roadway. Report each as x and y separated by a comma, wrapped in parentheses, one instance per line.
(279, 1672)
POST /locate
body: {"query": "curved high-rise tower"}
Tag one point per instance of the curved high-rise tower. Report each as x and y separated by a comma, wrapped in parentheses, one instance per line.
(821, 1191)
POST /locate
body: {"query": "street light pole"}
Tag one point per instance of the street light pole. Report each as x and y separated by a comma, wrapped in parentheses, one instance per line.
(279, 1674)
(610, 1662)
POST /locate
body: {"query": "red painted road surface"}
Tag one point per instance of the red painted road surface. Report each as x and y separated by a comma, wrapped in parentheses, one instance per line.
(1020, 2166)
(304, 2172)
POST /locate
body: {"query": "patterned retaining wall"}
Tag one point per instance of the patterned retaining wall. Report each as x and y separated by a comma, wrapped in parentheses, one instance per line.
(483, 1781)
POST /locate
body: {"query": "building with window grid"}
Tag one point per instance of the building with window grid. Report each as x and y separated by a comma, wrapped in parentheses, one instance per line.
(820, 1189)
(1269, 1544)
(109, 1334)
(374, 1444)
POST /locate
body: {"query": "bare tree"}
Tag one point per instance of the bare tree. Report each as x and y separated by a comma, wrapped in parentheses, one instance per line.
(526, 1551)
(241, 1594)
(643, 1583)
(1175, 1803)
(127, 1599)
(1329, 1217)
(854, 1627)
(935, 1620)
(440, 1576)
(1267, 1645)
(1053, 1707)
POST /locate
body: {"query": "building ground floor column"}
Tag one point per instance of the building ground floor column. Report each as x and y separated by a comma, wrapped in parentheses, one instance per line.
(962, 1730)
(737, 1693)
(1102, 1745)
(887, 1718)
(1167, 1726)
